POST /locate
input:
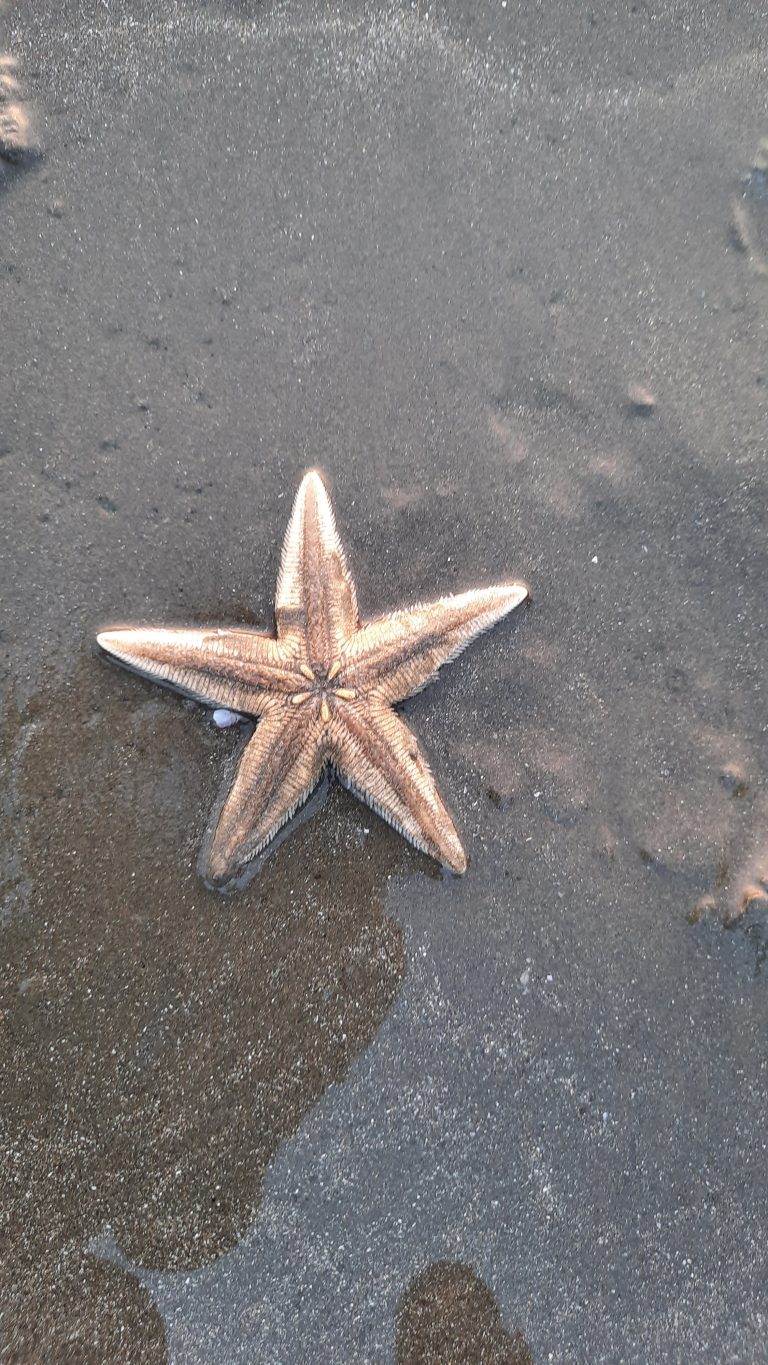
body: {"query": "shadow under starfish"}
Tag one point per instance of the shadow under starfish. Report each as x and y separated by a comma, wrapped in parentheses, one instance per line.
(323, 691)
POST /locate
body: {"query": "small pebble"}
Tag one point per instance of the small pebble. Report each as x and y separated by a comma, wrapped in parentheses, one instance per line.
(641, 399)
(224, 718)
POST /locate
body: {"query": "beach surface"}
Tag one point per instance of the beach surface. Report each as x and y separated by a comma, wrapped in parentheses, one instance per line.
(501, 271)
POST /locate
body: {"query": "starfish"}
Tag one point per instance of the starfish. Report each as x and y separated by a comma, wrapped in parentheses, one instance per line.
(323, 690)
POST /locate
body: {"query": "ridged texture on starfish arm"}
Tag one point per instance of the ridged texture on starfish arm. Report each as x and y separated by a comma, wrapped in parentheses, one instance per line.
(378, 758)
(281, 765)
(398, 654)
(239, 669)
(316, 602)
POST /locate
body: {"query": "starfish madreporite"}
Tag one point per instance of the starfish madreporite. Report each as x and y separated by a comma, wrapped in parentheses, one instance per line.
(323, 691)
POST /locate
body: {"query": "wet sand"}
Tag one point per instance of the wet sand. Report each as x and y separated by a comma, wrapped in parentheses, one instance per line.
(502, 274)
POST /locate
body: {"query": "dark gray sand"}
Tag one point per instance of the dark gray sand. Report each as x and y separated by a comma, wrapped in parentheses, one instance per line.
(500, 269)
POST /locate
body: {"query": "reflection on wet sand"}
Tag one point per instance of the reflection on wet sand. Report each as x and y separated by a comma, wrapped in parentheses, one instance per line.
(160, 1042)
(448, 1316)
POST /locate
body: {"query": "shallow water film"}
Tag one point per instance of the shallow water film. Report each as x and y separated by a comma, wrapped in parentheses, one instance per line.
(501, 271)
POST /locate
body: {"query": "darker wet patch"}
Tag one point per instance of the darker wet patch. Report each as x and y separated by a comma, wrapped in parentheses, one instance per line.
(159, 1043)
(95, 1312)
(448, 1316)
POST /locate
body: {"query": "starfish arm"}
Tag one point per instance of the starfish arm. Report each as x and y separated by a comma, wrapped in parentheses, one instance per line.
(316, 603)
(379, 759)
(239, 669)
(396, 655)
(281, 765)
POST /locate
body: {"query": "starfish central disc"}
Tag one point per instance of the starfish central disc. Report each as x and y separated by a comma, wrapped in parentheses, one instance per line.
(321, 690)
(286, 681)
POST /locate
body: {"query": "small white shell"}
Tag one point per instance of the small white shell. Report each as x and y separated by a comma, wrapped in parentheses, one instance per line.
(224, 718)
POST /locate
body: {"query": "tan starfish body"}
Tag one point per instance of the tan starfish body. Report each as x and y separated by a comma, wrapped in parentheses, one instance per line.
(323, 690)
